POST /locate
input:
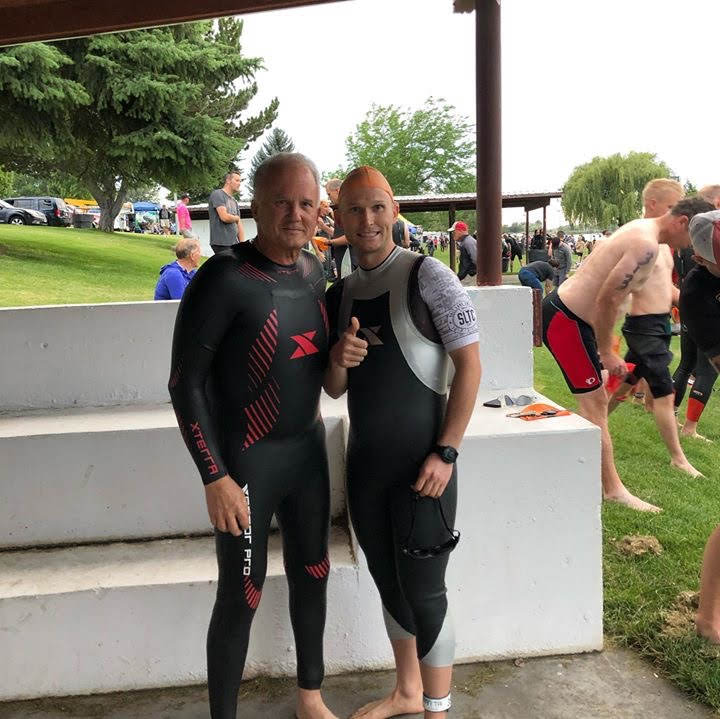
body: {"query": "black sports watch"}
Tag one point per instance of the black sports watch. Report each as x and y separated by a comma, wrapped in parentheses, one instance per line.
(447, 453)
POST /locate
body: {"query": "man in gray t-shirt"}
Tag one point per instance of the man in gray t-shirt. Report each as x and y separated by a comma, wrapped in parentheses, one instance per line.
(226, 227)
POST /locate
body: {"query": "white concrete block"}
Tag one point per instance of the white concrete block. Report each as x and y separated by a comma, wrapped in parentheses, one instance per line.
(506, 335)
(112, 473)
(130, 616)
(85, 355)
(526, 578)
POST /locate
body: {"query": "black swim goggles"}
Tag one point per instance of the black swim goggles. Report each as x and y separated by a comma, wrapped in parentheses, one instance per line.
(427, 552)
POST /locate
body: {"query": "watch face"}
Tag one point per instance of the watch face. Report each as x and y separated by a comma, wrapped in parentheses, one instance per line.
(448, 454)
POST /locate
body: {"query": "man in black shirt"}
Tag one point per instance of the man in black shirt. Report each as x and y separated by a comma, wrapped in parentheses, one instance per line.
(700, 312)
(534, 274)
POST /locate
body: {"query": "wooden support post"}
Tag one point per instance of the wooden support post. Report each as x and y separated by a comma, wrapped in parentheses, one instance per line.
(527, 236)
(489, 134)
(453, 249)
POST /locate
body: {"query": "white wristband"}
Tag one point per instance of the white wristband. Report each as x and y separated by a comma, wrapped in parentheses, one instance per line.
(437, 705)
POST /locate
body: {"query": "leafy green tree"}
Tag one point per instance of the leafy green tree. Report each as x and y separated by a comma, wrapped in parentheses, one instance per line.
(690, 188)
(117, 111)
(430, 150)
(278, 141)
(7, 183)
(53, 184)
(608, 190)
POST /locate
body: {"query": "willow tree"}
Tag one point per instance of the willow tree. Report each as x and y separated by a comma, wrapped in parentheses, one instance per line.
(608, 190)
(160, 106)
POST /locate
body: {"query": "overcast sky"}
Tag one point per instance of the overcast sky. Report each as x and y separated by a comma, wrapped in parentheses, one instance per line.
(580, 78)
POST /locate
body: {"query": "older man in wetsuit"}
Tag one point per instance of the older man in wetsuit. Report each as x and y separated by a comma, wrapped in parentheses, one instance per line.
(249, 355)
(578, 320)
(647, 328)
(393, 323)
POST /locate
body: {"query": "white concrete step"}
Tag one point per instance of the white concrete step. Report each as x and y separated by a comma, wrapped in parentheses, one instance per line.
(98, 474)
(89, 619)
(525, 580)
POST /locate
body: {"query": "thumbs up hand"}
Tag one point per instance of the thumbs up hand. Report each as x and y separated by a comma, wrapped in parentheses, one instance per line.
(351, 350)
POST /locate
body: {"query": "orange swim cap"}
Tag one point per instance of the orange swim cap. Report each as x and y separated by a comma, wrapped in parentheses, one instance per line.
(365, 177)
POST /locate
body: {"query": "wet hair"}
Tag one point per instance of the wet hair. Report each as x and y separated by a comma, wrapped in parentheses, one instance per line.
(553, 262)
(278, 160)
(711, 193)
(185, 246)
(691, 206)
(660, 188)
(228, 175)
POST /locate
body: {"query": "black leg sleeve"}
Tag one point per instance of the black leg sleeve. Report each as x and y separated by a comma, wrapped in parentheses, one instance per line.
(423, 580)
(688, 360)
(304, 522)
(242, 565)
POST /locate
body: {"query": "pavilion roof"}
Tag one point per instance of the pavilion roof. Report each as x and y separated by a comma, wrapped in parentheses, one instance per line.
(424, 203)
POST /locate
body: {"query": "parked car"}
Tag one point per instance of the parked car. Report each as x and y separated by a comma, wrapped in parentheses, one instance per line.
(54, 208)
(19, 216)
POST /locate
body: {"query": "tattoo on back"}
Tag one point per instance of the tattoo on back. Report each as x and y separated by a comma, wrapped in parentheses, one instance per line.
(631, 275)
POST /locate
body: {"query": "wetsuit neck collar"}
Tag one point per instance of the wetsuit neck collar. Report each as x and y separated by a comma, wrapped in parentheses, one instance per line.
(265, 258)
(379, 269)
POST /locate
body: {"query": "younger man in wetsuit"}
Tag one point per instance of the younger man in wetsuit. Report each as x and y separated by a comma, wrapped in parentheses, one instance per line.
(393, 323)
(578, 320)
(249, 353)
(700, 312)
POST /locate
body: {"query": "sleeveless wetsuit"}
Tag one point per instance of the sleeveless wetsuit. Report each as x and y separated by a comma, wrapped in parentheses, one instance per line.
(396, 403)
(249, 353)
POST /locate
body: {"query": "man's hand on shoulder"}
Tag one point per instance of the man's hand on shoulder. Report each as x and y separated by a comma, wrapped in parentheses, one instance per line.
(227, 506)
(433, 477)
(350, 350)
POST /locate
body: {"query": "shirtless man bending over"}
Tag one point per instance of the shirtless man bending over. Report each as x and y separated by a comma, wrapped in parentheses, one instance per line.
(647, 328)
(578, 320)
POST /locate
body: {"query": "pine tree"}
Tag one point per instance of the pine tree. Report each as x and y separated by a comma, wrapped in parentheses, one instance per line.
(278, 141)
(130, 109)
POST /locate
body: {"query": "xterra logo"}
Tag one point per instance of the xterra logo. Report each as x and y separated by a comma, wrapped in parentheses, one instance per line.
(304, 343)
(371, 335)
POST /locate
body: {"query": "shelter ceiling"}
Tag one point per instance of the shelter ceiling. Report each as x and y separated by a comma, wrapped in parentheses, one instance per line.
(38, 20)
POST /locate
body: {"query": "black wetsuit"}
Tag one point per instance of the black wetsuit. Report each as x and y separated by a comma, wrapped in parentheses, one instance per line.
(691, 360)
(700, 315)
(396, 403)
(249, 353)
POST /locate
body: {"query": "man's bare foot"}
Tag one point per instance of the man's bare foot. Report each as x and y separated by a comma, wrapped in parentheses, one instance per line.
(392, 706)
(310, 705)
(630, 500)
(685, 466)
(694, 435)
(707, 631)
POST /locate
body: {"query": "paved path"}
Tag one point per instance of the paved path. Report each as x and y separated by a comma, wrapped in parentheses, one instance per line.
(615, 684)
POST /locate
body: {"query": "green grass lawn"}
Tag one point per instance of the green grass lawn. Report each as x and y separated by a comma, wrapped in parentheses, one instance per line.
(50, 266)
(56, 265)
(638, 590)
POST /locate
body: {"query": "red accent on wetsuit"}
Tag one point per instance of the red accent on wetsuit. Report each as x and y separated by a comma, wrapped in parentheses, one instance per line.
(694, 409)
(252, 594)
(564, 338)
(262, 351)
(320, 570)
(305, 346)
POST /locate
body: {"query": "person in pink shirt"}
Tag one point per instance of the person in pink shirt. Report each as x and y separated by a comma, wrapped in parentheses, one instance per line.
(183, 216)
